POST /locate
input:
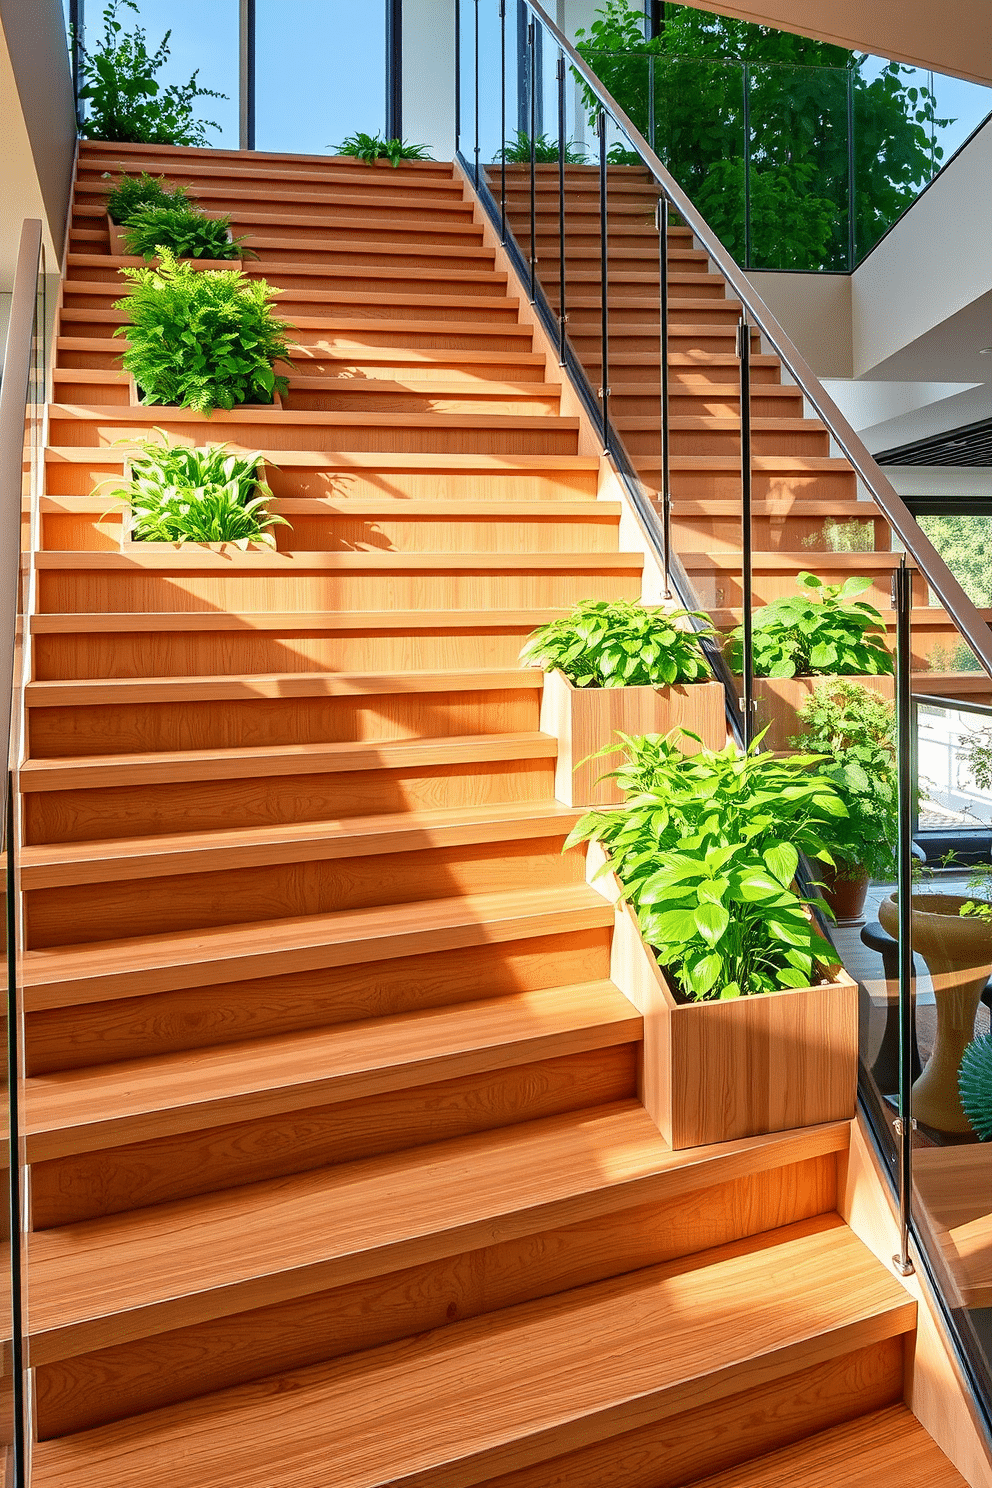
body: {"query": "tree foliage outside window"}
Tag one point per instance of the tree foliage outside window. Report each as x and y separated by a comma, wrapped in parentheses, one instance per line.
(798, 176)
(964, 544)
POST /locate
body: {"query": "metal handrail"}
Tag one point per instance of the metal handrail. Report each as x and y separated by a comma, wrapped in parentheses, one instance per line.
(13, 400)
(929, 562)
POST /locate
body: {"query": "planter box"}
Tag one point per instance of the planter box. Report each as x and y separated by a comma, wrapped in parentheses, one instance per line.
(128, 544)
(153, 408)
(584, 719)
(118, 249)
(719, 1071)
(780, 698)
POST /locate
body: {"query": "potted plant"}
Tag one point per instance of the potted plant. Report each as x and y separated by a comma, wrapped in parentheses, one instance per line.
(613, 665)
(201, 340)
(186, 231)
(173, 494)
(853, 730)
(749, 1027)
(130, 196)
(824, 631)
(371, 149)
(953, 934)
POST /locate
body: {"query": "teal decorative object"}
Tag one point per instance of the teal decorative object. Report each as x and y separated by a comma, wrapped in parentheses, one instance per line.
(975, 1084)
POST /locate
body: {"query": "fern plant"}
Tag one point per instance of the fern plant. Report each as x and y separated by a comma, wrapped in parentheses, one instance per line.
(821, 632)
(201, 339)
(184, 230)
(546, 151)
(616, 643)
(975, 1085)
(206, 494)
(132, 195)
(370, 148)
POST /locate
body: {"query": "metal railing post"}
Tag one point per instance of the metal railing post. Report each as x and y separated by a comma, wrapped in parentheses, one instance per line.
(604, 287)
(532, 58)
(458, 76)
(747, 573)
(746, 84)
(663, 376)
(902, 599)
(562, 147)
(477, 94)
(246, 75)
(394, 69)
(502, 120)
(852, 244)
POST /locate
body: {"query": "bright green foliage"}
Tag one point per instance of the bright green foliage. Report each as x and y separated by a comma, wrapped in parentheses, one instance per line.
(975, 1085)
(517, 151)
(820, 632)
(854, 729)
(964, 544)
(136, 194)
(127, 102)
(976, 753)
(201, 338)
(706, 847)
(798, 110)
(182, 229)
(177, 494)
(615, 643)
(370, 148)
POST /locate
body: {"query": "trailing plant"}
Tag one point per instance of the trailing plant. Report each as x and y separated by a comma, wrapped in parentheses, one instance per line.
(205, 494)
(546, 151)
(706, 848)
(185, 230)
(976, 753)
(615, 643)
(126, 100)
(201, 338)
(132, 195)
(975, 1085)
(853, 730)
(821, 632)
(370, 148)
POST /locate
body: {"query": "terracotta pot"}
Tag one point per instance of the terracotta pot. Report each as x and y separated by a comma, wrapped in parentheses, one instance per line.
(845, 890)
(958, 953)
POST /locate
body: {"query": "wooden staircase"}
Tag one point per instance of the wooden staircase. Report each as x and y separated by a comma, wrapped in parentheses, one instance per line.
(807, 514)
(339, 1174)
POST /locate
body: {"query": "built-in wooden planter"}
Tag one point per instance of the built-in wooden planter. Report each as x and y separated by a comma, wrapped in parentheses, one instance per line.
(118, 249)
(136, 401)
(780, 698)
(719, 1071)
(585, 719)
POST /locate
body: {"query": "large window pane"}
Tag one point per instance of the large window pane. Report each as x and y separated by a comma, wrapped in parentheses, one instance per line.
(320, 73)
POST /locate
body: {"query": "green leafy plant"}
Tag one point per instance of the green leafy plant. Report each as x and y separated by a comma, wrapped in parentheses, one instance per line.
(126, 100)
(179, 494)
(185, 230)
(132, 195)
(706, 848)
(853, 730)
(615, 643)
(201, 338)
(976, 754)
(975, 1085)
(370, 148)
(817, 633)
(546, 151)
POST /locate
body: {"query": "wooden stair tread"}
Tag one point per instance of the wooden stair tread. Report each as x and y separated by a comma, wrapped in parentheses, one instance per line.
(110, 859)
(233, 560)
(354, 323)
(272, 269)
(506, 1390)
(408, 355)
(96, 771)
(789, 562)
(125, 413)
(885, 1449)
(689, 421)
(318, 621)
(451, 508)
(797, 464)
(385, 461)
(84, 1110)
(104, 970)
(332, 297)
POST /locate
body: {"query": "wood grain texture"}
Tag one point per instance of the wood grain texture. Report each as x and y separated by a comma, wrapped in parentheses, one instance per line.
(90, 1390)
(585, 720)
(954, 1184)
(642, 1347)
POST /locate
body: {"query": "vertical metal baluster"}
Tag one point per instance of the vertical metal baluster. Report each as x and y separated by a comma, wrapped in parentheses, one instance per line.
(604, 391)
(852, 246)
(476, 95)
(76, 22)
(532, 44)
(902, 599)
(747, 699)
(458, 76)
(562, 146)
(666, 483)
(246, 74)
(502, 120)
(746, 81)
(651, 118)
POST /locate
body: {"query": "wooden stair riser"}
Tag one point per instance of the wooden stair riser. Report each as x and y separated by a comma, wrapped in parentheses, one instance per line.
(639, 288)
(311, 228)
(216, 805)
(785, 532)
(148, 1373)
(198, 900)
(390, 530)
(381, 211)
(685, 402)
(725, 485)
(464, 401)
(425, 437)
(207, 1157)
(493, 483)
(97, 268)
(346, 335)
(719, 588)
(138, 653)
(585, 318)
(129, 728)
(198, 168)
(375, 304)
(198, 1017)
(806, 439)
(642, 338)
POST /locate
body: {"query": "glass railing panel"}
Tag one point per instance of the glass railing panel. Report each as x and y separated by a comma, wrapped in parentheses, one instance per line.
(309, 93)
(798, 174)
(960, 108)
(893, 145)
